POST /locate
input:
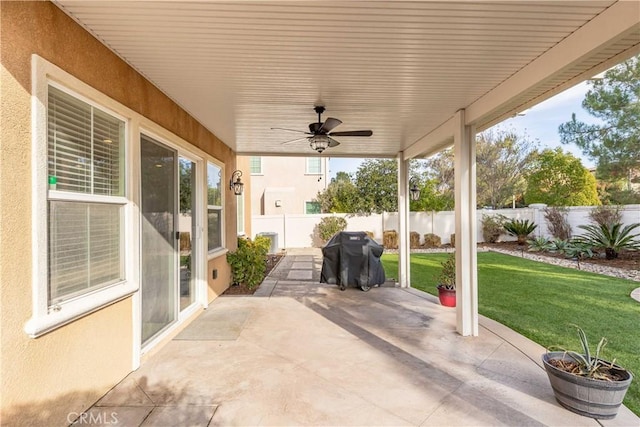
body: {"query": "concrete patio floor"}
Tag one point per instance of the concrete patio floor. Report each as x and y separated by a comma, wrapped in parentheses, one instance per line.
(302, 353)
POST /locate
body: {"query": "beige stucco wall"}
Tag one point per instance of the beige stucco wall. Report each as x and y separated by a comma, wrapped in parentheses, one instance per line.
(44, 379)
(285, 179)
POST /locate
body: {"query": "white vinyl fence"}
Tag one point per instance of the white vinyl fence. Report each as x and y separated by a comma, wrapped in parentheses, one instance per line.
(297, 231)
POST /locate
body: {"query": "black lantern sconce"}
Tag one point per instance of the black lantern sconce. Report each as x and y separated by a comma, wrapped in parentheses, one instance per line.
(414, 191)
(235, 183)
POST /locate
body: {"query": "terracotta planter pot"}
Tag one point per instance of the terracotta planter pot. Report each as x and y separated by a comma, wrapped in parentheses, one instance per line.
(447, 297)
(586, 396)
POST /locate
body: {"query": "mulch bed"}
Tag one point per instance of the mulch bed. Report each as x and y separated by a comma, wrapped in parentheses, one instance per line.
(628, 260)
(242, 289)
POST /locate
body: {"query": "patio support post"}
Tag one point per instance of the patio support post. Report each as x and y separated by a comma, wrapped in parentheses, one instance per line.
(466, 226)
(404, 272)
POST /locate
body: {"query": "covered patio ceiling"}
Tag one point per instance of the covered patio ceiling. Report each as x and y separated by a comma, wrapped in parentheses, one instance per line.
(401, 69)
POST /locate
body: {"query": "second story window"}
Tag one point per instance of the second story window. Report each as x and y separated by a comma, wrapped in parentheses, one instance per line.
(255, 165)
(314, 166)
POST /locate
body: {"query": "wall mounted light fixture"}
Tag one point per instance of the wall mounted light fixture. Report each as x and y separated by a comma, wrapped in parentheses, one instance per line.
(235, 183)
(414, 191)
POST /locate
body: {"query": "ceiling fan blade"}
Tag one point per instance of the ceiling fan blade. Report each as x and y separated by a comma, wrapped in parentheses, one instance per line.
(293, 140)
(329, 124)
(292, 130)
(333, 142)
(352, 133)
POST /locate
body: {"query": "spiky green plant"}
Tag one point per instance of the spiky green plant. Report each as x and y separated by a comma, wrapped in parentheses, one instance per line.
(520, 229)
(540, 244)
(560, 246)
(610, 237)
(587, 365)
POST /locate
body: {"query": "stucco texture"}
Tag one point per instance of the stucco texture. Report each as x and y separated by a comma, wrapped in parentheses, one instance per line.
(66, 370)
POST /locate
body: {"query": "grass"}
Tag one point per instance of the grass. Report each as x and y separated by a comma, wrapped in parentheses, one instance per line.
(542, 301)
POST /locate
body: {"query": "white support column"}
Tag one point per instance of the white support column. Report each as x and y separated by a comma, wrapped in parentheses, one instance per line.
(404, 272)
(466, 228)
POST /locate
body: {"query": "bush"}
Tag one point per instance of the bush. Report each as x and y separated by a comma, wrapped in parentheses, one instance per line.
(606, 215)
(414, 240)
(493, 227)
(390, 239)
(453, 240)
(520, 229)
(557, 222)
(329, 226)
(249, 262)
(447, 275)
(612, 238)
(432, 240)
(540, 244)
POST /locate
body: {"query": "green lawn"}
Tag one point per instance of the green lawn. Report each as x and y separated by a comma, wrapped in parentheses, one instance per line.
(541, 301)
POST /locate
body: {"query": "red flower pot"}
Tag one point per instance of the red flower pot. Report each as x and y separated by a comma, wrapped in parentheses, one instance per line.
(447, 297)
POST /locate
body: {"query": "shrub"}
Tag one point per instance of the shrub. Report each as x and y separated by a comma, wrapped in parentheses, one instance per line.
(414, 240)
(390, 239)
(447, 275)
(560, 246)
(432, 240)
(249, 263)
(520, 229)
(557, 222)
(540, 244)
(612, 238)
(453, 240)
(329, 226)
(578, 250)
(605, 215)
(493, 227)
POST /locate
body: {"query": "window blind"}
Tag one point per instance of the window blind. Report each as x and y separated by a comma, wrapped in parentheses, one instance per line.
(86, 156)
(85, 146)
(84, 248)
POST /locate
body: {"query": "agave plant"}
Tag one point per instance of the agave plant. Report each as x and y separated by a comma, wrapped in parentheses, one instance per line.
(587, 365)
(520, 229)
(560, 246)
(610, 237)
(540, 244)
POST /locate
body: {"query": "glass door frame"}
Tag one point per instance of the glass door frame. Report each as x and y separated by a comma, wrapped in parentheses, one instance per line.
(200, 280)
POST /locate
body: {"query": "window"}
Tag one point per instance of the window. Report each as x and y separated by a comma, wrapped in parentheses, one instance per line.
(311, 207)
(214, 206)
(314, 165)
(85, 203)
(255, 165)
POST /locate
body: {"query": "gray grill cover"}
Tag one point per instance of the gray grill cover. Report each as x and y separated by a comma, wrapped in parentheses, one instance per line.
(352, 258)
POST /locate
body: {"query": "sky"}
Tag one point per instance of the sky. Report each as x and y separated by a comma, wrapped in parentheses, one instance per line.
(538, 123)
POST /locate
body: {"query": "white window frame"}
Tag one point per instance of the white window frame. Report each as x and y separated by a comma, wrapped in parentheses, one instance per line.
(46, 318)
(220, 250)
(261, 166)
(307, 170)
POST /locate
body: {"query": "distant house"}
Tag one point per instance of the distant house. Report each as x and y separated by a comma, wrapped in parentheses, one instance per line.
(287, 184)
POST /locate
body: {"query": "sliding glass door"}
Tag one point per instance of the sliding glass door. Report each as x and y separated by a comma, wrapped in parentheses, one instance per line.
(159, 241)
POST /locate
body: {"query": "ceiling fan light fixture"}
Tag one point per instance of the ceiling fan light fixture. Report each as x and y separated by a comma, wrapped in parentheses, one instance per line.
(319, 142)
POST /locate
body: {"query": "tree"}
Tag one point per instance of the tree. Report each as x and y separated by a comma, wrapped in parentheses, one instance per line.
(377, 184)
(615, 142)
(431, 199)
(561, 180)
(440, 180)
(340, 196)
(503, 160)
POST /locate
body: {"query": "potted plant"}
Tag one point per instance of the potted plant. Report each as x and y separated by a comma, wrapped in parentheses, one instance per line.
(447, 282)
(584, 383)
